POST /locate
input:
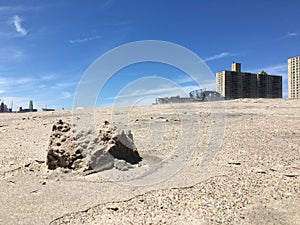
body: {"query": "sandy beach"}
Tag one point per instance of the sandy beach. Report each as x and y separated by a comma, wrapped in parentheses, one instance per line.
(233, 162)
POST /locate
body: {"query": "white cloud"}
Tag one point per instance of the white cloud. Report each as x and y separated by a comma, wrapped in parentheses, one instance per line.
(217, 56)
(290, 34)
(184, 79)
(24, 85)
(17, 22)
(16, 9)
(12, 85)
(278, 69)
(64, 85)
(160, 91)
(75, 41)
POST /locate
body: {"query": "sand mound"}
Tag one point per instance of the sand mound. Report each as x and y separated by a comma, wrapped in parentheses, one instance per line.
(86, 151)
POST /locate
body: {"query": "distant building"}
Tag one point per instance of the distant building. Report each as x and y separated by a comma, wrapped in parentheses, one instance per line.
(294, 77)
(21, 110)
(172, 99)
(30, 108)
(236, 84)
(199, 95)
(3, 107)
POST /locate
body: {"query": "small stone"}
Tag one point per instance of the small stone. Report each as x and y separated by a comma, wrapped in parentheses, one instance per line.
(235, 163)
(114, 208)
(292, 175)
(207, 205)
(259, 170)
(66, 220)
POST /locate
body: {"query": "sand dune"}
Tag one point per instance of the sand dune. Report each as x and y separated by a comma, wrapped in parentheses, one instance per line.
(236, 162)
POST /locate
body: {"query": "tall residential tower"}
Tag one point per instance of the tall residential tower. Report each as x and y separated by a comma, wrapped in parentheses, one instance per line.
(236, 84)
(294, 77)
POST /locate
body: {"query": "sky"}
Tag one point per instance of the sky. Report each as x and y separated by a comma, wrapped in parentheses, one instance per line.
(47, 46)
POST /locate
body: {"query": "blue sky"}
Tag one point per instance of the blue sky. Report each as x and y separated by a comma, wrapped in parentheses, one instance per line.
(46, 46)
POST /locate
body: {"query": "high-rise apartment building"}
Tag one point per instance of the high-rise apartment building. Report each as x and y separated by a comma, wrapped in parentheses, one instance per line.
(236, 84)
(294, 77)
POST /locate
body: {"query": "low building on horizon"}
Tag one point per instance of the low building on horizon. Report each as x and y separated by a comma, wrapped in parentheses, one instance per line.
(199, 95)
(236, 84)
(30, 108)
(172, 99)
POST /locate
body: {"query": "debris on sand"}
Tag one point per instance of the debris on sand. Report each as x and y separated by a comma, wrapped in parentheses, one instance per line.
(86, 151)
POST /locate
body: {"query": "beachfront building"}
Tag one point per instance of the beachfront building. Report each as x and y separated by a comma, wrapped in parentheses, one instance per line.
(294, 77)
(237, 84)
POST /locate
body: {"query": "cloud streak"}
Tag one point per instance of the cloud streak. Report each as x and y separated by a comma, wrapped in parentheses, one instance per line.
(289, 35)
(15, 9)
(17, 22)
(217, 56)
(77, 41)
(278, 69)
(21, 89)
